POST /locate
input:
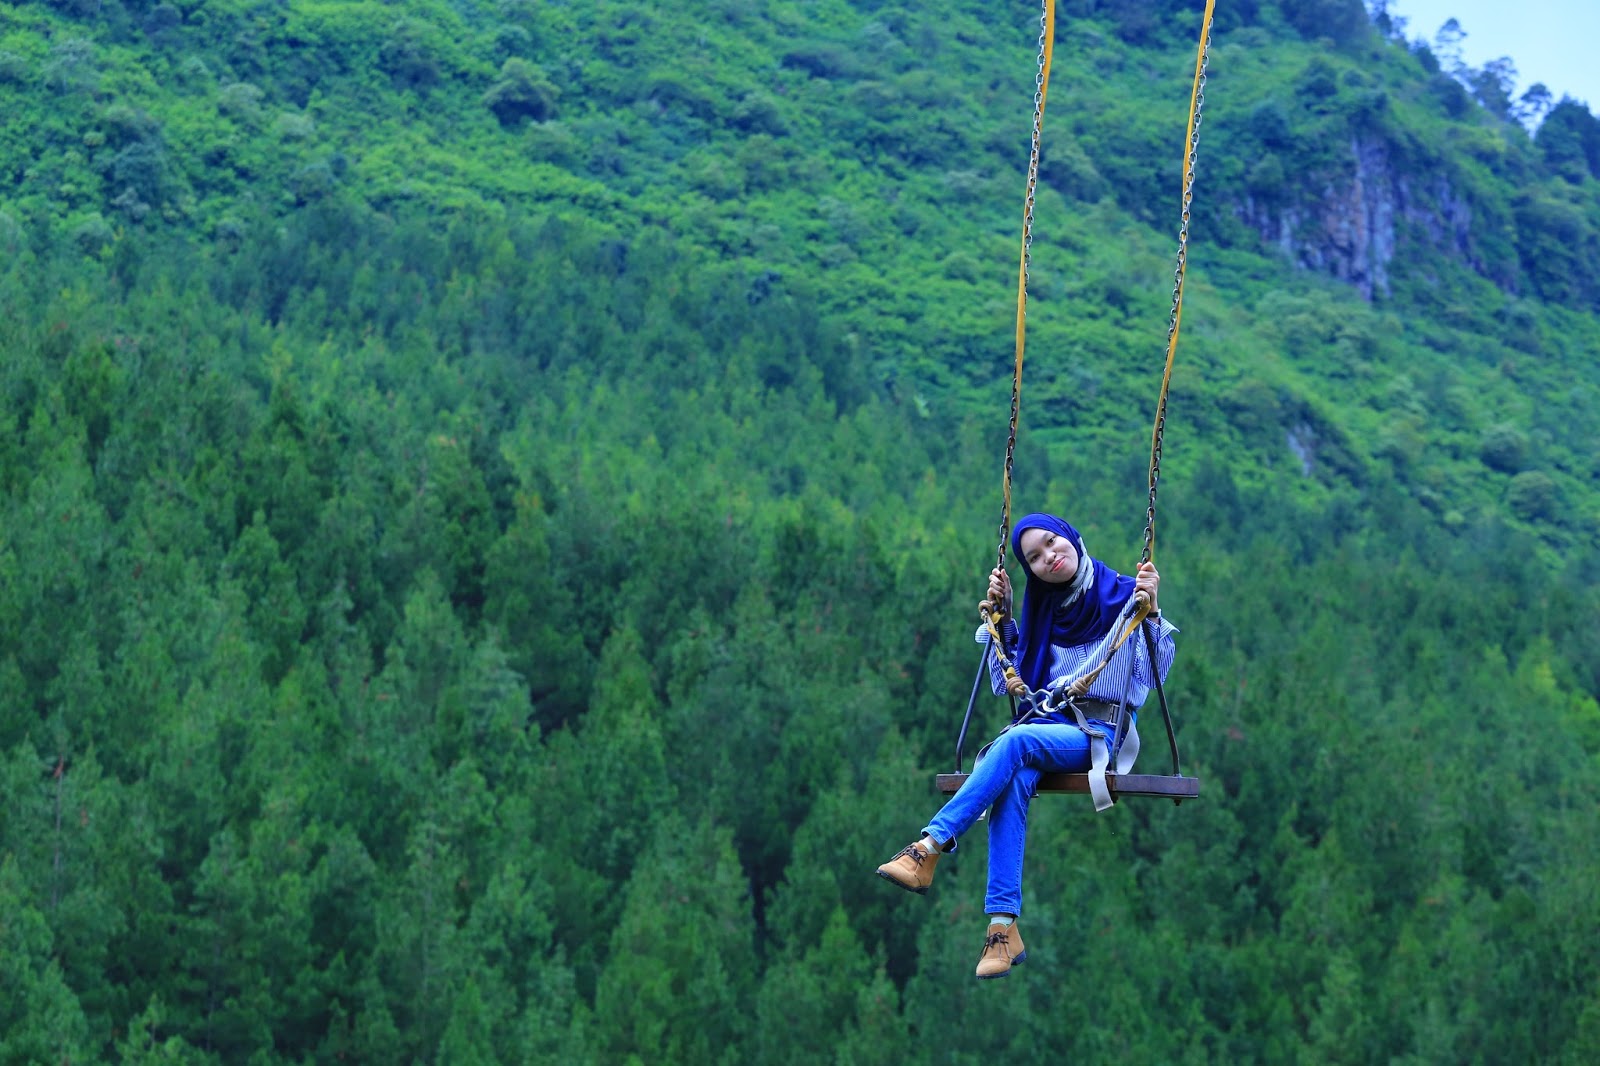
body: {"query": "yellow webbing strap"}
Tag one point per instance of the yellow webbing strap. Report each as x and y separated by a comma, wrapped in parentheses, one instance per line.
(1046, 51)
(1047, 38)
(1141, 611)
(1141, 602)
(992, 620)
(1182, 269)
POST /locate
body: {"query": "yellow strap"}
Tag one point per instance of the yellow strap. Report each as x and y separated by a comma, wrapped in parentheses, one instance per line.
(993, 620)
(1047, 51)
(1182, 269)
(1047, 41)
(1140, 613)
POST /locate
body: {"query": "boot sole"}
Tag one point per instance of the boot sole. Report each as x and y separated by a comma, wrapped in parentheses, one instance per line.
(923, 891)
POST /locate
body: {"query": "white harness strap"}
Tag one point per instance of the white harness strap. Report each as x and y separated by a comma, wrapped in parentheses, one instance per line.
(1100, 754)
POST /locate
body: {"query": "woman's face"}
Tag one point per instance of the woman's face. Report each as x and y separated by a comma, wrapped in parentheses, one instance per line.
(1052, 558)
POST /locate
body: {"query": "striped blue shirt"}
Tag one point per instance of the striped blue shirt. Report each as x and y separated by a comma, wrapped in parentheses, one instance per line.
(1127, 673)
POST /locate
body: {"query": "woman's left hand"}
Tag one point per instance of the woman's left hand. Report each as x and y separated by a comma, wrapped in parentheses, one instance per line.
(1147, 581)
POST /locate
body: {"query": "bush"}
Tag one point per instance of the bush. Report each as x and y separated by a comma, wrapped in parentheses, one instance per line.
(294, 126)
(1533, 496)
(1558, 246)
(1569, 139)
(679, 92)
(93, 234)
(240, 100)
(1503, 448)
(1342, 21)
(140, 168)
(523, 92)
(126, 125)
(1069, 169)
(407, 56)
(758, 113)
(824, 61)
(72, 66)
(162, 20)
(14, 69)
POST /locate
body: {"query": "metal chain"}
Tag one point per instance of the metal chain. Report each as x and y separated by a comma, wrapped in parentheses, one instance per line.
(1177, 289)
(1046, 26)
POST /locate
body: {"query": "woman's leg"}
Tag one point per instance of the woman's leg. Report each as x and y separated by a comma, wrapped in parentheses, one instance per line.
(1008, 837)
(1053, 747)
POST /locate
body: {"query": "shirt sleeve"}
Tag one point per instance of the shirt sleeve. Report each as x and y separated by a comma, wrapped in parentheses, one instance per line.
(1166, 650)
(997, 674)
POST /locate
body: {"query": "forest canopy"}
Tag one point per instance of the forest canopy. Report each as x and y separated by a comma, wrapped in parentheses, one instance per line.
(495, 495)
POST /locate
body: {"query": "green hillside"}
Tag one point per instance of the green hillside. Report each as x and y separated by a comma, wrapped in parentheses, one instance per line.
(495, 495)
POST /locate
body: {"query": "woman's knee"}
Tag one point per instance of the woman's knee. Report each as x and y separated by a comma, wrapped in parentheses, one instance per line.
(1009, 748)
(1020, 740)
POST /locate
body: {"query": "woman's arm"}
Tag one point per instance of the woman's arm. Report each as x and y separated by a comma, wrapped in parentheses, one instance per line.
(999, 598)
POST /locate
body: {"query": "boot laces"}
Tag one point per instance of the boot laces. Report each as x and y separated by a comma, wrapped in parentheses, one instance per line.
(916, 853)
(997, 938)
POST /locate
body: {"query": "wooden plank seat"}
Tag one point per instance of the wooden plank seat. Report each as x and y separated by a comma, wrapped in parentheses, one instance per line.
(1171, 786)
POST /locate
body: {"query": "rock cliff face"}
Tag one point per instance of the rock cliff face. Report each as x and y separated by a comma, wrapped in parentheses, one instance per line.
(1352, 229)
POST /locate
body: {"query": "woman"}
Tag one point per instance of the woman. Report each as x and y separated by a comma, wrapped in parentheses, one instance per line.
(1069, 603)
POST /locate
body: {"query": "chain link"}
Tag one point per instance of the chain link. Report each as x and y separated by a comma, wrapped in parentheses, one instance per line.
(1039, 90)
(1177, 292)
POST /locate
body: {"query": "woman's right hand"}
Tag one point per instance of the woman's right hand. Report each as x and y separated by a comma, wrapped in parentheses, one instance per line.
(1017, 687)
(999, 591)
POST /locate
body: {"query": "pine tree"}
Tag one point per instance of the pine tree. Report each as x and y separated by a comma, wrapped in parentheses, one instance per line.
(676, 985)
(40, 1018)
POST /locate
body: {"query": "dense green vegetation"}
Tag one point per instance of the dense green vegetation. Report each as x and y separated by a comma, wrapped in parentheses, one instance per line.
(495, 494)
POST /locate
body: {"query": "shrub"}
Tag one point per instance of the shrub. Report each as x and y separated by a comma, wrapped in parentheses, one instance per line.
(1533, 496)
(1569, 140)
(758, 113)
(14, 68)
(162, 20)
(294, 126)
(1342, 21)
(140, 168)
(523, 92)
(240, 100)
(824, 61)
(93, 234)
(1068, 169)
(407, 56)
(312, 182)
(1503, 448)
(126, 125)
(72, 66)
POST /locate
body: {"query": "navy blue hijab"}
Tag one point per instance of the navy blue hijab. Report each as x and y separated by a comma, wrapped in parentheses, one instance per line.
(1078, 612)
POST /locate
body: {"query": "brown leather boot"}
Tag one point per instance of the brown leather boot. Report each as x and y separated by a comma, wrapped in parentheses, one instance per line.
(912, 869)
(1002, 949)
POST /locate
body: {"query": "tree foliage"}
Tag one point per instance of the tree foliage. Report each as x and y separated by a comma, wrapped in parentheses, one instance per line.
(494, 499)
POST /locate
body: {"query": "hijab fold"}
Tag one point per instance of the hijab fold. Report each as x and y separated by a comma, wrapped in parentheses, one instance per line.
(1077, 612)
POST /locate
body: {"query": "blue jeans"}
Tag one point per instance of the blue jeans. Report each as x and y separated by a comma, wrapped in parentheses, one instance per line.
(1006, 778)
